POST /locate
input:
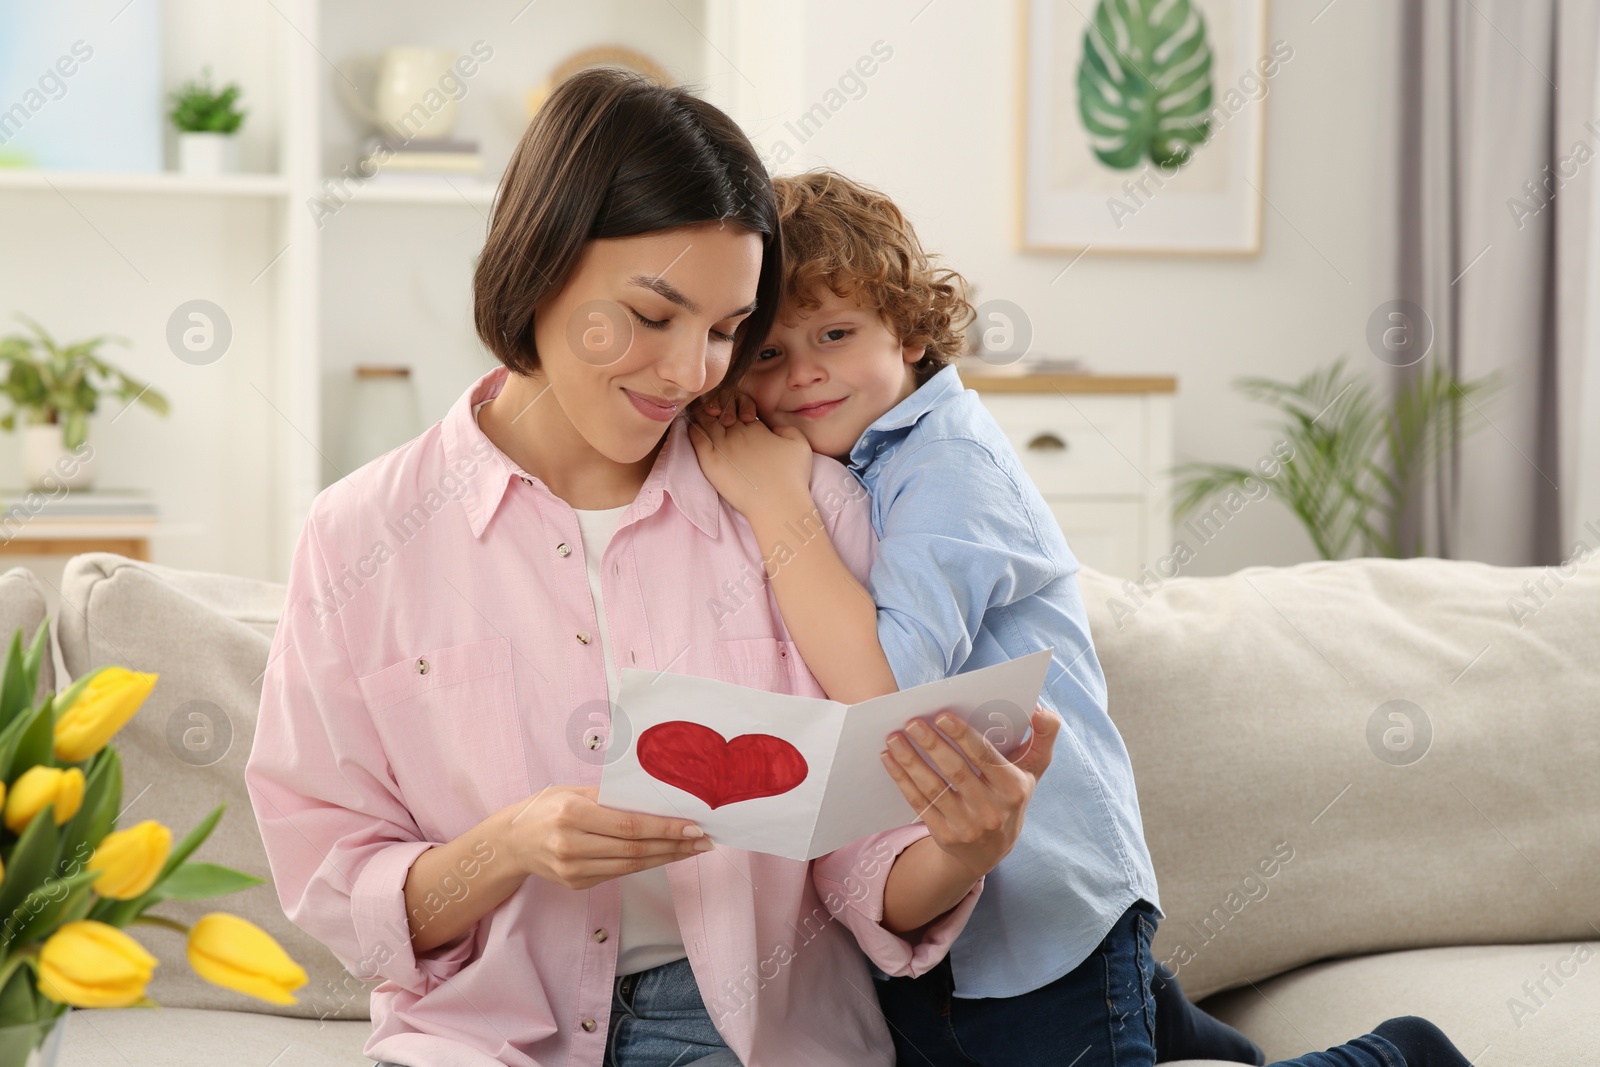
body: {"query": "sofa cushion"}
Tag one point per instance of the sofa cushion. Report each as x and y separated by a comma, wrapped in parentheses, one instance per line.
(186, 1037)
(23, 604)
(1498, 1003)
(1275, 716)
(208, 637)
(179, 1037)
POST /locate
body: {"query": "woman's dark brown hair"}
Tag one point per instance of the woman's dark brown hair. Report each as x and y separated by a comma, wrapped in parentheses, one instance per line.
(611, 154)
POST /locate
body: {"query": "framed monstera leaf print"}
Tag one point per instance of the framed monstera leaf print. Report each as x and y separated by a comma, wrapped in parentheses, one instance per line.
(1141, 125)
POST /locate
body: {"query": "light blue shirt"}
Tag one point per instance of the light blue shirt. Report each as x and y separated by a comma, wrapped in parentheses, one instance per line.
(973, 570)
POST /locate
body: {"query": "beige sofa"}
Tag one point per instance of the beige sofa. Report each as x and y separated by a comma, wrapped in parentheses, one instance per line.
(1316, 874)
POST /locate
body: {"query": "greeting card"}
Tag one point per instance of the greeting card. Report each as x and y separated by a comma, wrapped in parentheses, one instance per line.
(789, 775)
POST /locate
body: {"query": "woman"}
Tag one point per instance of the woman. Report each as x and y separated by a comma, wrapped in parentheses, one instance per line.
(429, 742)
(458, 611)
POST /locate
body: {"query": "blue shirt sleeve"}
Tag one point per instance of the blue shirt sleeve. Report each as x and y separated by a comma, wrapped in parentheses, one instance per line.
(961, 537)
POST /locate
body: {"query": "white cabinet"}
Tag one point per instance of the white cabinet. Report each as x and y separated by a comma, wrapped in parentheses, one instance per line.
(1100, 451)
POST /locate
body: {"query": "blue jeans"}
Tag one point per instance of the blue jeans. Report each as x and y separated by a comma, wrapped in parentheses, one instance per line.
(1102, 1014)
(659, 1020)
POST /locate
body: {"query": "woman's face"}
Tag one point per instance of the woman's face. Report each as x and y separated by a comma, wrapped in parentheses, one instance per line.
(642, 327)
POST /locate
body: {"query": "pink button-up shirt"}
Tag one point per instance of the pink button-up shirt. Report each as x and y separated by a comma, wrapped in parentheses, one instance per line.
(438, 660)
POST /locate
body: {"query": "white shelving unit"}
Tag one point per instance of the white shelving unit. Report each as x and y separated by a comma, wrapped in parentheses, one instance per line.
(253, 185)
(385, 277)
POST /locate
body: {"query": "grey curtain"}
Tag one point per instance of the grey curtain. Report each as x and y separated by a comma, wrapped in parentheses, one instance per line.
(1499, 142)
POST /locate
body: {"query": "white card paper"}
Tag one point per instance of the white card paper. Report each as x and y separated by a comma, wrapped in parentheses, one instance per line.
(788, 775)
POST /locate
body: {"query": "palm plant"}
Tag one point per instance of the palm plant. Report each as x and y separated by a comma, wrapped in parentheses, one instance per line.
(1355, 462)
(53, 383)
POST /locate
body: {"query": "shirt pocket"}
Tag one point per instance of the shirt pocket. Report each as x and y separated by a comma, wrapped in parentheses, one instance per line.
(766, 663)
(451, 731)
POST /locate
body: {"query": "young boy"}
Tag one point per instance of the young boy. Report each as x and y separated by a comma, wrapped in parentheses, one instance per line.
(971, 570)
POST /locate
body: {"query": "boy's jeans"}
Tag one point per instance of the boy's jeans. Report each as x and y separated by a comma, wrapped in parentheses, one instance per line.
(1101, 1014)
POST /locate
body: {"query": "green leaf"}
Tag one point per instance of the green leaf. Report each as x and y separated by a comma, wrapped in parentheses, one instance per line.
(15, 695)
(42, 910)
(201, 881)
(16, 997)
(32, 860)
(8, 741)
(102, 794)
(1144, 82)
(70, 694)
(33, 661)
(75, 431)
(191, 841)
(35, 744)
(122, 912)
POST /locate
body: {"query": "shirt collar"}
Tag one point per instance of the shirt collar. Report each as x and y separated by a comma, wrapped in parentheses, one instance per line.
(904, 415)
(486, 471)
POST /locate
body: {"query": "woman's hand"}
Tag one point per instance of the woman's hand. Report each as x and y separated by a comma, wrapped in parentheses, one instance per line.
(976, 818)
(751, 466)
(562, 835)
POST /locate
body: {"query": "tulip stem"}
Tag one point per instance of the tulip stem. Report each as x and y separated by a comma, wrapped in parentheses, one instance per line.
(157, 920)
(9, 967)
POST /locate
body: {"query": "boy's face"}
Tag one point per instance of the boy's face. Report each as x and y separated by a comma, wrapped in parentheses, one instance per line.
(830, 373)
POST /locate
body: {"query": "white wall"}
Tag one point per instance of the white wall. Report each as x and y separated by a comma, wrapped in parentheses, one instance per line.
(86, 263)
(935, 129)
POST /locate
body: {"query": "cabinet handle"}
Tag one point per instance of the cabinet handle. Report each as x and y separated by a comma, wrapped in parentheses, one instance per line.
(1047, 442)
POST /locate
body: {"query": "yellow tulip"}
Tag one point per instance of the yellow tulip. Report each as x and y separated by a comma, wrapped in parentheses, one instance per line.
(39, 786)
(106, 702)
(89, 964)
(236, 954)
(129, 860)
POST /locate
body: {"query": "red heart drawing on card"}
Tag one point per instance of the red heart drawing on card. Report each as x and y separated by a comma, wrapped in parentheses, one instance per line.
(698, 760)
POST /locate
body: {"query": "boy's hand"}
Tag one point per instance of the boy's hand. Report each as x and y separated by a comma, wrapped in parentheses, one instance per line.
(976, 818)
(755, 469)
(742, 409)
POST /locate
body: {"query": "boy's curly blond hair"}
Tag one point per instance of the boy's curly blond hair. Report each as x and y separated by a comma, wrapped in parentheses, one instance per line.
(851, 238)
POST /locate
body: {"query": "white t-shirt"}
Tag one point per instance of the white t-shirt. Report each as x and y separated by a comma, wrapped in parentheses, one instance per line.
(649, 936)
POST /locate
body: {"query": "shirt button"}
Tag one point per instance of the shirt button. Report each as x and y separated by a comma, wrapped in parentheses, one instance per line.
(563, 550)
(601, 935)
(588, 1026)
(526, 480)
(422, 666)
(583, 637)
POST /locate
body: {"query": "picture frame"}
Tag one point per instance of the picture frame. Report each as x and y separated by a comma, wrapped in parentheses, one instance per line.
(1096, 175)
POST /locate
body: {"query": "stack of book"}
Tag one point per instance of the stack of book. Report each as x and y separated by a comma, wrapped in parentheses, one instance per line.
(393, 161)
(40, 515)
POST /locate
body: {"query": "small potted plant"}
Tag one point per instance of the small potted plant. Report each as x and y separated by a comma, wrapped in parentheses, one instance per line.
(54, 389)
(208, 123)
